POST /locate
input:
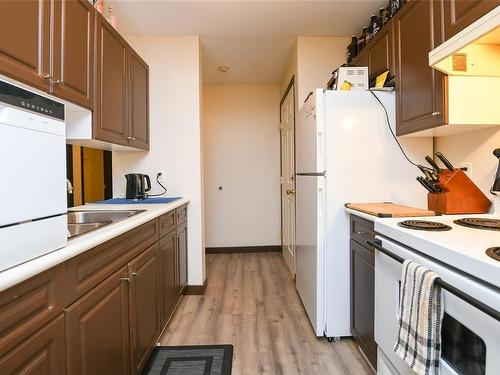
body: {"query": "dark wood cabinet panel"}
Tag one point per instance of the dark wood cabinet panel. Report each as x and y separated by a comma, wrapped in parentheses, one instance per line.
(381, 53)
(167, 223)
(182, 255)
(458, 14)
(419, 96)
(181, 214)
(363, 299)
(24, 41)
(73, 53)
(138, 132)
(29, 306)
(88, 269)
(169, 294)
(97, 329)
(110, 109)
(43, 353)
(144, 306)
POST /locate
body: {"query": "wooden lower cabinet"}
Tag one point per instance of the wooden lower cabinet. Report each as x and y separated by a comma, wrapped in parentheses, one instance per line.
(44, 353)
(181, 261)
(144, 306)
(97, 329)
(363, 287)
(169, 293)
(101, 312)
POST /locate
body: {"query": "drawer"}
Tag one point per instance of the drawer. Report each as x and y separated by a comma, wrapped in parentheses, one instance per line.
(167, 223)
(87, 270)
(362, 230)
(27, 307)
(181, 214)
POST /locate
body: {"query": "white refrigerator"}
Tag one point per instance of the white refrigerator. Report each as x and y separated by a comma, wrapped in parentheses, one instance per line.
(344, 153)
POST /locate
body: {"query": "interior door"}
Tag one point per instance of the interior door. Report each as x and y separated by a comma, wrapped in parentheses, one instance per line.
(287, 127)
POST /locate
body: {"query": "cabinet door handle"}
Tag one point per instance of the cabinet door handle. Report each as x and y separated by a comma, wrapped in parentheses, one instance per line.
(360, 233)
(57, 81)
(437, 113)
(135, 274)
(45, 76)
(130, 138)
(125, 279)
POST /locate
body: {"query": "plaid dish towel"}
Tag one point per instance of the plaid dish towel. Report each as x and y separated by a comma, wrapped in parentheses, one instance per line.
(421, 314)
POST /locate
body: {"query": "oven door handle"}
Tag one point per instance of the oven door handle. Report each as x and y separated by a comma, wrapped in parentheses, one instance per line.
(377, 244)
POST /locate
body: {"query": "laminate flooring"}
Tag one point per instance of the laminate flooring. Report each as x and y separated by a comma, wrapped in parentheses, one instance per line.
(251, 302)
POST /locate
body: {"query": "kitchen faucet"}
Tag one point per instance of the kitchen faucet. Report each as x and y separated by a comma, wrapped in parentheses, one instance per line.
(69, 186)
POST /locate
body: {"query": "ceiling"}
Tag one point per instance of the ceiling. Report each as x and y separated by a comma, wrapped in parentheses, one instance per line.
(254, 38)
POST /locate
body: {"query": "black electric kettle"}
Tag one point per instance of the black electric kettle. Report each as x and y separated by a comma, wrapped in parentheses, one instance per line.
(137, 186)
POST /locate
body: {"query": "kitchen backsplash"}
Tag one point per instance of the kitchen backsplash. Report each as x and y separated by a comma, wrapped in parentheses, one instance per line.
(475, 148)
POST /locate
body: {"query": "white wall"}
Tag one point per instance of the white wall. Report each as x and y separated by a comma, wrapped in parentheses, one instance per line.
(317, 57)
(241, 154)
(175, 126)
(473, 147)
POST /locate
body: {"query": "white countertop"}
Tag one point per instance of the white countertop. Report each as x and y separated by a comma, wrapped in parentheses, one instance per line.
(80, 244)
(461, 247)
(362, 214)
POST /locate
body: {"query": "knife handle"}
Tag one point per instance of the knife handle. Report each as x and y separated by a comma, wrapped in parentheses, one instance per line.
(421, 180)
(433, 164)
(445, 161)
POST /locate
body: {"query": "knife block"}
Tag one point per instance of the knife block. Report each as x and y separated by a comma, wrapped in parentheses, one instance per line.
(459, 195)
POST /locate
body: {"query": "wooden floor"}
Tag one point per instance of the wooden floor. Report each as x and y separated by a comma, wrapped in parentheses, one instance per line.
(251, 302)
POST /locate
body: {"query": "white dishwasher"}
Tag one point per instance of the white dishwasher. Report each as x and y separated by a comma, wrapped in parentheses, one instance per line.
(33, 201)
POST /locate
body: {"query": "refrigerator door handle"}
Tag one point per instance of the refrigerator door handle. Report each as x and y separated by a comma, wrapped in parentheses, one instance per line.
(321, 202)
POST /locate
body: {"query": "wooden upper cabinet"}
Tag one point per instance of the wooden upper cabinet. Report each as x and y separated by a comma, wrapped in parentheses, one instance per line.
(73, 53)
(43, 353)
(24, 41)
(145, 306)
(110, 110)
(97, 329)
(458, 14)
(381, 53)
(138, 131)
(419, 96)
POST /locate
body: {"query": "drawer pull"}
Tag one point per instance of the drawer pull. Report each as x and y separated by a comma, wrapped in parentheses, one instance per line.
(359, 233)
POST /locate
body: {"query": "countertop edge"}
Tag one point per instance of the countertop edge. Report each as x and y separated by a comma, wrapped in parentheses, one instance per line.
(361, 214)
(25, 271)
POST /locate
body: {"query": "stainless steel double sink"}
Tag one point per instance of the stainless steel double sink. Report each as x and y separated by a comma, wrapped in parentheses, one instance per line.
(81, 222)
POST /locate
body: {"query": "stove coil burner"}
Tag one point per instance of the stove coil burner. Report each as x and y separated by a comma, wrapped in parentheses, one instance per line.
(494, 252)
(430, 226)
(479, 223)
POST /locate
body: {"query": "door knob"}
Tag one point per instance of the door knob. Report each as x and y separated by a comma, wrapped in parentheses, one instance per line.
(290, 192)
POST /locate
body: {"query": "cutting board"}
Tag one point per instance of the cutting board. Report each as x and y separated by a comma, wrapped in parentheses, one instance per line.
(389, 210)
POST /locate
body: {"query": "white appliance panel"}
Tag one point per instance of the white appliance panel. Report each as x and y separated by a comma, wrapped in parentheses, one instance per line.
(310, 135)
(387, 299)
(351, 141)
(310, 207)
(364, 164)
(34, 162)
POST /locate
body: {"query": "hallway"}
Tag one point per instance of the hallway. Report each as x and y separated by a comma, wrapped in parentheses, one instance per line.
(251, 302)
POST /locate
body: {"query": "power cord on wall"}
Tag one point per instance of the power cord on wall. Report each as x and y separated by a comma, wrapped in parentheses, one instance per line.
(394, 135)
(159, 183)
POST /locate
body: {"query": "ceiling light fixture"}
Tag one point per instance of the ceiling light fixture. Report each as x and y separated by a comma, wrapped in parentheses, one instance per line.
(223, 68)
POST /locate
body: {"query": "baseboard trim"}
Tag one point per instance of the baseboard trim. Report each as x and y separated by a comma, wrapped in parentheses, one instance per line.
(195, 290)
(243, 249)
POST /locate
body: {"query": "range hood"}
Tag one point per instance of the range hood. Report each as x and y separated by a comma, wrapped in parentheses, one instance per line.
(474, 51)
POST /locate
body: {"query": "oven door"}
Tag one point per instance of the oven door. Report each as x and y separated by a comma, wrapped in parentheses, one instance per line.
(470, 338)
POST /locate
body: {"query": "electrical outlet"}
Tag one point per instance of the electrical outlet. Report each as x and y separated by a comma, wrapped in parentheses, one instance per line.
(467, 165)
(162, 178)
